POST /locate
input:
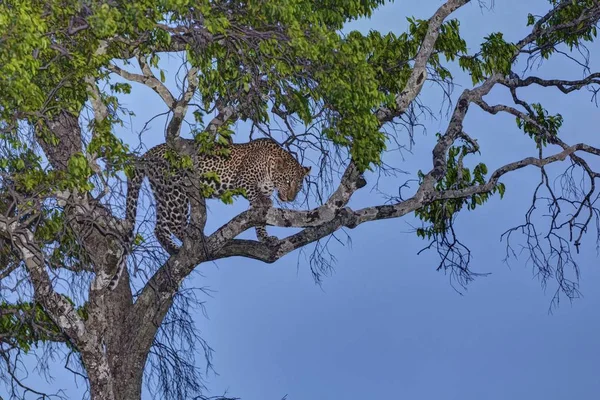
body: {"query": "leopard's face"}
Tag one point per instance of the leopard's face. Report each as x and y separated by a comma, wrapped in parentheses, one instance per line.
(289, 181)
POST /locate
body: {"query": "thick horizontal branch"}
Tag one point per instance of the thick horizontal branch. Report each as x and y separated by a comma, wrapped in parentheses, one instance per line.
(351, 181)
(565, 86)
(321, 222)
(246, 248)
(318, 228)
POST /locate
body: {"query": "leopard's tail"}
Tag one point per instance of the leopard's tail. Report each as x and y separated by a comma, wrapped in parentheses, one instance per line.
(134, 184)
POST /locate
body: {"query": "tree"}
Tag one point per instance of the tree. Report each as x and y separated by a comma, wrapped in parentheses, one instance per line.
(285, 68)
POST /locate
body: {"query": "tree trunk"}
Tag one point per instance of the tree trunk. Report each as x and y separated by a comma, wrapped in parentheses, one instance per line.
(116, 368)
(127, 380)
(124, 348)
(121, 384)
(112, 353)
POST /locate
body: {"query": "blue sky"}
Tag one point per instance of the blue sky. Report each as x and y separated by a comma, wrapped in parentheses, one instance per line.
(385, 324)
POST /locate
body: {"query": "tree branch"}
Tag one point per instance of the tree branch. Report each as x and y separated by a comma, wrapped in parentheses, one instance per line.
(225, 114)
(58, 308)
(147, 79)
(153, 299)
(564, 86)
(318, 228)
(418, 75)
(181, 106)
(588, 17)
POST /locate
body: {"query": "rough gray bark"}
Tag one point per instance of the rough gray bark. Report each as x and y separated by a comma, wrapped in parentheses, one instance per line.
(115, 340)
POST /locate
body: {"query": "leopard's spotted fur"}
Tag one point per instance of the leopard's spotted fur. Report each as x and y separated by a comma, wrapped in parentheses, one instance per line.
(259, 167)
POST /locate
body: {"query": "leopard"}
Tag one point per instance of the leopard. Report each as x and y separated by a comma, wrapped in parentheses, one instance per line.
(256, 168)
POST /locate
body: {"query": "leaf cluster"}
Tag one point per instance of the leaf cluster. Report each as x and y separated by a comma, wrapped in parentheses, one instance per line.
(438, 215)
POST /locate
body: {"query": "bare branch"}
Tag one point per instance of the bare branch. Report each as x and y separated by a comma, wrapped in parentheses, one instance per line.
(225, 114)
(565, 86)
(181, 106)
(147, 79)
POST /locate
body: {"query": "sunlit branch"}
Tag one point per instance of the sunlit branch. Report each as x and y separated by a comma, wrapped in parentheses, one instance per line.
(147, 79)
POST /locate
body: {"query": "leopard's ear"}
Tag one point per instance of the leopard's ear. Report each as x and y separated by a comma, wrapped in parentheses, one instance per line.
(279, 163)
(306, 170)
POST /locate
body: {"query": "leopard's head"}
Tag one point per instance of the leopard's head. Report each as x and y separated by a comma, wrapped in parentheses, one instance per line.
(288, 177)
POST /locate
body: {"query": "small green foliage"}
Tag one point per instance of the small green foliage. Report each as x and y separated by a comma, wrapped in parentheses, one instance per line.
(51, 227)
(138, 240)
(573, 38)
(79, 172)
(177, 161)
(120, 87)
(496, 56)
(107, 146)
(25, 324)
(206, 190)
(129, 170)
(549, 124)
(207, 145)
(438, 215)
(211, 176)
(228, 195)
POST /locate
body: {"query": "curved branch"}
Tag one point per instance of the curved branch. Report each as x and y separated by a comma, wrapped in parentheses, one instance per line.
(418, 75)
(180, 106)
(58, 308)
(147, 79)
(319, 228)
(565, 86)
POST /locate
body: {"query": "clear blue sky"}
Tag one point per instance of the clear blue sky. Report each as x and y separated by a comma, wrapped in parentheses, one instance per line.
(386, 324)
